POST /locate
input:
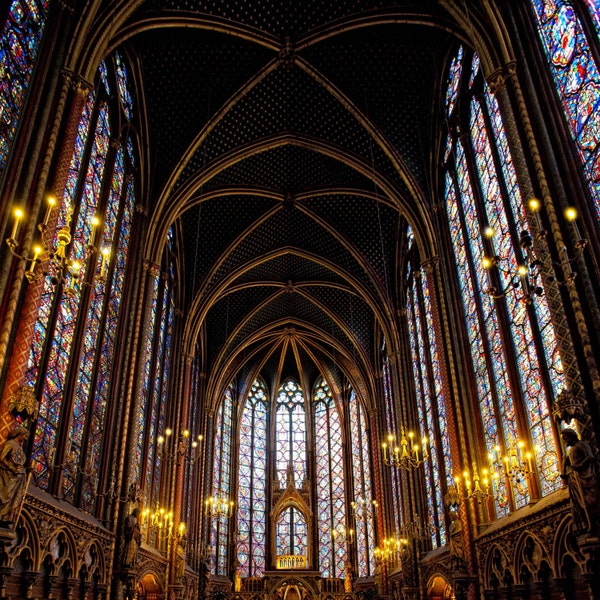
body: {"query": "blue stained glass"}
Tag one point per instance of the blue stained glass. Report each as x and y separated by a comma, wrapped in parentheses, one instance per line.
(290, 438)
(594, 9)
(364, 517)
(252, 507)
(64, 330)
(454, 81)
(331, 516)
(221, 483)
(577, 79)
(123, 81)
(19, 44)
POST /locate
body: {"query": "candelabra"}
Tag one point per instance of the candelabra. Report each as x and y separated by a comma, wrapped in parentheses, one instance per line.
(417, 530)
(168, 452)
(218, 506)
(526, 275)
(409, 455)
(392, 550)
(59, 267)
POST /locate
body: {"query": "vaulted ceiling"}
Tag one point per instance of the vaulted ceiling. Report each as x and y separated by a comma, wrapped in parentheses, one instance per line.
(290, 142)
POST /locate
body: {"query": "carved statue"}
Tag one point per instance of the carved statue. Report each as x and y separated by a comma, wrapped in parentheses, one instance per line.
(180, 559)
(581, 473)
(348, 577)
(13, 475)
(237, 577)
(456, 538)
(133, 537)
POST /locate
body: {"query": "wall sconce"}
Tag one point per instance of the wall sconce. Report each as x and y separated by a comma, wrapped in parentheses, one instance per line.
(60, 268)
(526, 275)
(406, 456)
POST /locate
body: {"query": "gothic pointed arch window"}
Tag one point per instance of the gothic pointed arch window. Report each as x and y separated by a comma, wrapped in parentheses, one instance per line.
(364, 492)
(515, 363)
(221, 484)
(77, 323)
(431, 403)
(252, 482)
(20, 41)
(290, 432)
(154, 440)
(331, 505)
(391, 431)
(576, 73)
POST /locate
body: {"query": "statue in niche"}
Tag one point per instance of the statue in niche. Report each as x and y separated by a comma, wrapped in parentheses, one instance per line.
(348, 577)
(13, 476)
(581, 474)
(456, 539)
(133, 537)
(180, 559)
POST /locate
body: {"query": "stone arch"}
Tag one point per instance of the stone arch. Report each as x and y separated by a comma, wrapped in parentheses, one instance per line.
(530, 557)
(497, 572)
(150, 586)
(439, 588)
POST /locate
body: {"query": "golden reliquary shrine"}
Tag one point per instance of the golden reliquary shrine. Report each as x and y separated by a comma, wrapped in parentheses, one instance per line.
(299, 300)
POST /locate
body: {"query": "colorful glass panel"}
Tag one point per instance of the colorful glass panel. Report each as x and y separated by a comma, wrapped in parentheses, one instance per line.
(534, 394)
(430, 403)
(221, 482)
(362, 505)
(252, 480)
(19, 45)
(453, 81)
(291, 533)
(331, 505)
(123, 82)
(290, 439)
(577, 79)
(60, 347)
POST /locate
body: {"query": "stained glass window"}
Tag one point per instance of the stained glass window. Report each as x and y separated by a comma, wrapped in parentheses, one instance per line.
(221, 486)
(532, 343)
(430, 403)
(291, 535)
(364, 493)
(290, 430)
(64, 329)
(331, 505)
(577, 79)
(81, 418)
(392, 433)
(19, 44)
(252, 481)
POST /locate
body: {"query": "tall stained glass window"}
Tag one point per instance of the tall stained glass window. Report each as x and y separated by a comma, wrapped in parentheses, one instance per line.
(20, 41)
(331, 505)
(576, 76)
(391, 432)
(364, 492)
(221, 486)
(252, 481)
(98, 183)
(290, 439)
(506, 335)
(291, 533)
(431, 405)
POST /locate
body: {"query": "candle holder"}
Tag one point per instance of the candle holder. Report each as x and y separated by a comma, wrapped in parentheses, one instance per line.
(409, 455)
(58, 265)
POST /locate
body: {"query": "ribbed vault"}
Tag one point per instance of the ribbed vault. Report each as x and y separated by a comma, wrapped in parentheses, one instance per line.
(291, 144)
